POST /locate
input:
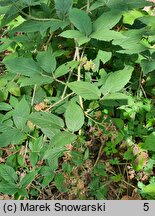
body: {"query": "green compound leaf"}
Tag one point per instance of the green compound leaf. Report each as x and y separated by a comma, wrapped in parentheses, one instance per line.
(63, 7)
(147, 66)
(116, 99)
(150, 142)
(5, 106)
(21, 114)
(130, 16)
(86, 90)
(81, 21)
(106, 35)
(58, 145)
(26, 180)
(65, 68)
(13, 88)
(46, 120)
(31, 26)
(35, 80)
(46, 61)
(107, 20)
(10, 135)
(80, 37)
(22, 65)
(8, 174)
(74, 117)
(149, 189)
(63, 138)
(8, 188)
(117, 80)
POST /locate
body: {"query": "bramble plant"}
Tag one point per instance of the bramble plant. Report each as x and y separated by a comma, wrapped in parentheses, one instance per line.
(77, 91)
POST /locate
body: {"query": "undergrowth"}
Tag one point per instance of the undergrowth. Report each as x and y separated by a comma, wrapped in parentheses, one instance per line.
(77, 89)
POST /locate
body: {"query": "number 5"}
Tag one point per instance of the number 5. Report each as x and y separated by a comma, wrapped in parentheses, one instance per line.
(146, 207)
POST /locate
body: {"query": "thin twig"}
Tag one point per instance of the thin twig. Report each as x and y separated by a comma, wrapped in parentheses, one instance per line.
(34, 92)
(96, 122)
(70, 73)
(99, 153)
(88, 6)
(48, 41)
(53, 105)
(144, 93)
(59, 81)
(79, 73)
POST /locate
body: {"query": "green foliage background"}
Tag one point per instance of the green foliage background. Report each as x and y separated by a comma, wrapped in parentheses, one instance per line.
(77, 94)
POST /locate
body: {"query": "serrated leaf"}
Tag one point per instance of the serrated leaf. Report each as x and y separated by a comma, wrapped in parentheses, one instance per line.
(33, 158)
(59, 182)
(86, 90)
(80, 37)
(46, 120)
(147, 66)
(82, 40)
(54, 153)
(58, 145)
(125, 4)
(150, 188)
(30, 26)
(47, 180)
(46, 61)
(116, 99)
(10, 14)
(117, 80)
(63, 7)
(71, 34)
(13, 88)
(74, 117)
(130, 16)
(35, 80)
(97, 4)
(5, 44)
(22, 65)
(134, 44)
(104, 56)
(21, 113)
(11, 136)
(81, 21)
(49, 133)
(65, 68)
(3, 82)
(106, 35)
(107, 20)
(149, 143)
(8, 173)
(36, 144)
(63, 138)
(46, 171)
(28, 178)
(22, 192)
(5, 106)
(8, 188)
